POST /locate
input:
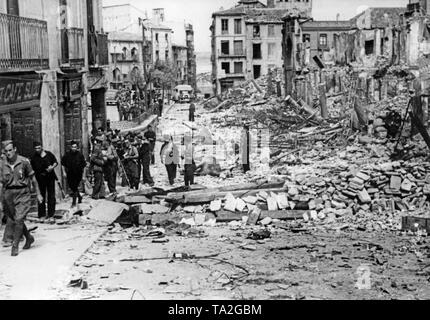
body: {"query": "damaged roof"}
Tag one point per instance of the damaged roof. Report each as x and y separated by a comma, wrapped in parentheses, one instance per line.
(381, 17)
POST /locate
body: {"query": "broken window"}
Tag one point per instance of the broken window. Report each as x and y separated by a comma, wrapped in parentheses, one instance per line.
(226, 67)
(156, 37)
(238, 67)
(323, 40)
(271, 30)
(256, 51)
(237, 26)
(225, 47)
(238, 47)
(256, 31)
(369, 47)
(224, 26)
(257, 72)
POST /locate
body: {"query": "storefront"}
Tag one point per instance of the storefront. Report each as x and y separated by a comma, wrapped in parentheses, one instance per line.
(20, 112)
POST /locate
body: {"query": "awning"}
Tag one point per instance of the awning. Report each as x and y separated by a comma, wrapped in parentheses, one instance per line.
(19, 90)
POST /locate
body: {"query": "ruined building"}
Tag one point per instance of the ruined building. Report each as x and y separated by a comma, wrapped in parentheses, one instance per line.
(163, 40)
(246, 40)
(191, 57)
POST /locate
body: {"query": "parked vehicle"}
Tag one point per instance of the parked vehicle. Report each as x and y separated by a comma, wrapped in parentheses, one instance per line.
(183, 93)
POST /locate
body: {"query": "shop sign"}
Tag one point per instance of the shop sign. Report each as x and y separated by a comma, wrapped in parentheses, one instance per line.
(15, 91)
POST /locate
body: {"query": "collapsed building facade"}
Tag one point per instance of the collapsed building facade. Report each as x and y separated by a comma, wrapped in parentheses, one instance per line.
(160, 41)
(370, 44)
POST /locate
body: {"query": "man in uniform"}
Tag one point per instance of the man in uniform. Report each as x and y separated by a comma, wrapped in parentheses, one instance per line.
(8, 232)
(97, 162)
(192, 112)
(151, 136)
(145, 155)
(110, 168)
(131, 158)
(15, 176)
(160, 107)
(74, 164)
(43, 163)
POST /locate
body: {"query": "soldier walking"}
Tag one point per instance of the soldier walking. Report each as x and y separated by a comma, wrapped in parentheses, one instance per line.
(192, 112)
(74, 164)
(131, 158)
(145, 155)
(97, 163)
(16, 174)
(110, 167)
(151, 136)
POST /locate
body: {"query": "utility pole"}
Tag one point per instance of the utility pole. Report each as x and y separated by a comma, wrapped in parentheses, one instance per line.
(144, 56)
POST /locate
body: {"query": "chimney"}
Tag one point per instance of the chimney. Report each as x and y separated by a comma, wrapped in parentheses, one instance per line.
(270, 3)
(338, 17)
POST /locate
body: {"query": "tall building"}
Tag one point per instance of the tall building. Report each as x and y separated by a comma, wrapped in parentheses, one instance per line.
(161, 41)
(247, 40)
(52, 53)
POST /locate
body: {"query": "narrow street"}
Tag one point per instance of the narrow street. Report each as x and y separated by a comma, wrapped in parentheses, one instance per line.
(301, 129)
(321, 262)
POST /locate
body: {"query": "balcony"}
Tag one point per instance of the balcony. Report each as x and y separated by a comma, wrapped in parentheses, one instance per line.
(23, 44)
(98, 52)
(72, 48)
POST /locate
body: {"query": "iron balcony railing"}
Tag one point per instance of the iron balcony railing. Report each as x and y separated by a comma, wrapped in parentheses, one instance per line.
(23, 44)
(72, 47)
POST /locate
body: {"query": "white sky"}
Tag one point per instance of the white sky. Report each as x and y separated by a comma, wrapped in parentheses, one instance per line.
(199, 12)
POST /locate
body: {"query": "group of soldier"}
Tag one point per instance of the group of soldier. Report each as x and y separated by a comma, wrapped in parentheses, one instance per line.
(21, 177)
(129, 105)
(130, 154)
